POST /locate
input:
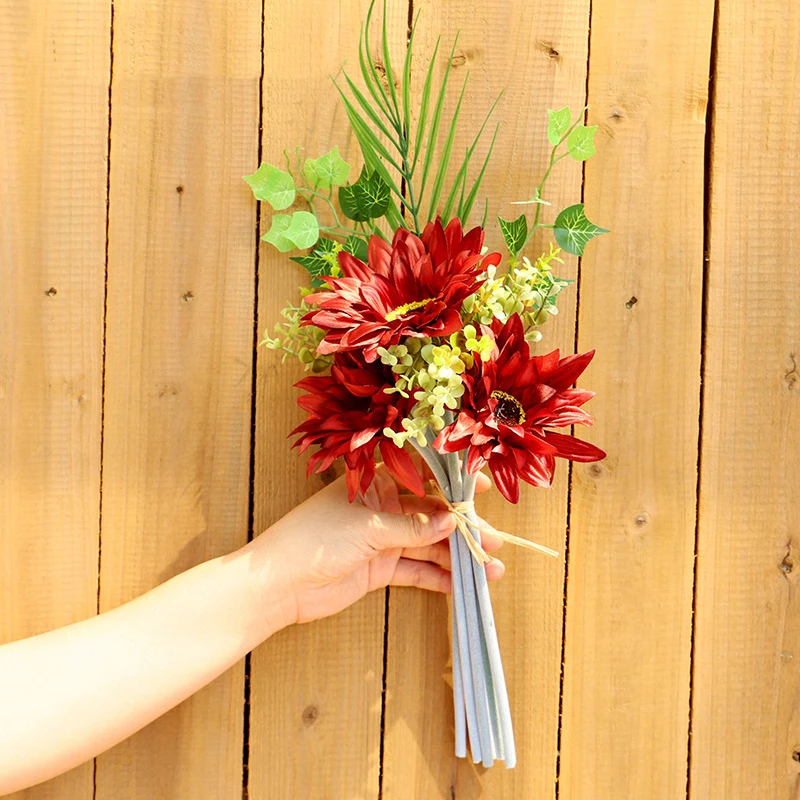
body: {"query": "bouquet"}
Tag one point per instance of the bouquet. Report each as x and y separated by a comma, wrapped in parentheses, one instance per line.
(416, 337)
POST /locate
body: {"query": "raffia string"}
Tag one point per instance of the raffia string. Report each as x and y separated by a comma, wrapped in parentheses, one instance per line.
(462, 508)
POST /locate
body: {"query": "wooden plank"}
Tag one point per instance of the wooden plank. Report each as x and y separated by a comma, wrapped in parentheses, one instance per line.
(745, 721)
(179, 344)
(315, 689)
(54, 70)
(540, 61)
(629, 610)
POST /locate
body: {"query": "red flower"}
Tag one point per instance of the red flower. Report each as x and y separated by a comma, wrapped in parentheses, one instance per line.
(413, 287)
(507, 405)
(347, 412)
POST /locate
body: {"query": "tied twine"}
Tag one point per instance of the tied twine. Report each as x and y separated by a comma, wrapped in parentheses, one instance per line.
(461, 510)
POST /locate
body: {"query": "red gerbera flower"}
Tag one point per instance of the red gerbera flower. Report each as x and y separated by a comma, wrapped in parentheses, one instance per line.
(508, 404)
(347, 412)
(411, 287)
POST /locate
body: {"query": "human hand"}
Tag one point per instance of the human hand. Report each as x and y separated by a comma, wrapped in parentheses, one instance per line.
(327, 553)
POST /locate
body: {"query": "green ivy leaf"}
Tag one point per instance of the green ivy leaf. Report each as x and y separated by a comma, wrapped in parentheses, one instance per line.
(573, 231)
(292, 232)
(326, 171)
(557, 125)
(316, 263)
(303, 230)
(580, 142)
(275, 235)
(357, 247)
(272, 185)
(366, 199)
(514, 233)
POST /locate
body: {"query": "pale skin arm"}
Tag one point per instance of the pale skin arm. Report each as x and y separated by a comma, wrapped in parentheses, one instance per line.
(72, 693)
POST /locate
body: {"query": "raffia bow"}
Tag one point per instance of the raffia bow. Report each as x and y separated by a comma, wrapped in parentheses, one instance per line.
(461, 510)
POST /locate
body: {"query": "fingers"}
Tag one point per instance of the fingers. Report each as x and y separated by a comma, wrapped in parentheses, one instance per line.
(490, 540)
(433, 576)
(495, 570)
(438, 553)
(386, 531)
(484, 483)
(421, 574)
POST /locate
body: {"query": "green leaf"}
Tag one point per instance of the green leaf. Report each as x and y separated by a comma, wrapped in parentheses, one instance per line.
(444, 159)
(366, 199)
(303, 230)
(387, 64)
(369, 73)
(465, 206)
(423, 107)
(326, 171)
(515, 233)
(406, 86)
(275, 235)
(580, 142)
(557, 125)
(573, 231)
(291, 232)
(272, 185)
(358, 247)
(364, 133)
(316, 263)
(435, 120)
(370, 111)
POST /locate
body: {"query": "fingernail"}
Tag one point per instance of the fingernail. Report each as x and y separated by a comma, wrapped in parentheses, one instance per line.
(443, 521)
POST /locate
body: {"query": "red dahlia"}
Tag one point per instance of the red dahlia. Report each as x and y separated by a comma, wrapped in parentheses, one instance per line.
(411, 287)
(508, 404)
(347, 412)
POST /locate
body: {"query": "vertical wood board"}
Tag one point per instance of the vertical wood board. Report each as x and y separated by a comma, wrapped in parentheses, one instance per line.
(746, 721)
(315, 718)
(54, 70)
(184, 130)
(632, 522)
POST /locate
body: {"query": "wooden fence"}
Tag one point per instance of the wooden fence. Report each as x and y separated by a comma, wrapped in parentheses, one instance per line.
(141, 430)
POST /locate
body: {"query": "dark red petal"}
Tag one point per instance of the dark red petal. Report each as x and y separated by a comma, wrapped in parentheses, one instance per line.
(368, 474)
(505, 476)
(538, 470)
(399, 463)
(360, 438)
(353, 268)
(475, 460)
(569, 369)
(352, 483)
(378, 254)
(572, 448)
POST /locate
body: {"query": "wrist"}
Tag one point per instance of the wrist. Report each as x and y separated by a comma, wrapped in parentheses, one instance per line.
(272, 602)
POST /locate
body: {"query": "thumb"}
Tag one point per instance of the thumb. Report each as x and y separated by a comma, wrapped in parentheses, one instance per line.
(388, 531)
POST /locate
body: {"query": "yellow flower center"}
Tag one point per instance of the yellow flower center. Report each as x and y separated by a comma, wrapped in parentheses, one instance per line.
(404, 309)
(508, 409)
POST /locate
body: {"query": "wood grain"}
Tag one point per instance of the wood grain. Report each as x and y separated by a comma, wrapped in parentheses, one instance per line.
(315, 720)
(54, 63)
(540, 62)
(632, 522)
(746, 718)
(179, 343)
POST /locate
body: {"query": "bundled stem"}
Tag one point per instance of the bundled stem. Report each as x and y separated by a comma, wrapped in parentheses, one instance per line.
(480, 696)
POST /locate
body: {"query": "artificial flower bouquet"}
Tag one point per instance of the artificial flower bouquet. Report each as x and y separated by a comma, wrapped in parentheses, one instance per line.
(416, 337)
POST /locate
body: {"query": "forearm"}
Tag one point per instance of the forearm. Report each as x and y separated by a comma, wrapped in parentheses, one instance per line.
(70, 694)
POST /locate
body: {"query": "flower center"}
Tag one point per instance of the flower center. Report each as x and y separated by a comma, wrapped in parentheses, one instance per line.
(404, 309)
(508, 410)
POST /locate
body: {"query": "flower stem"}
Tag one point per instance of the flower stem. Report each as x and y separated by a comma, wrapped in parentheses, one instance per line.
(506, 747)
(478, 657)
